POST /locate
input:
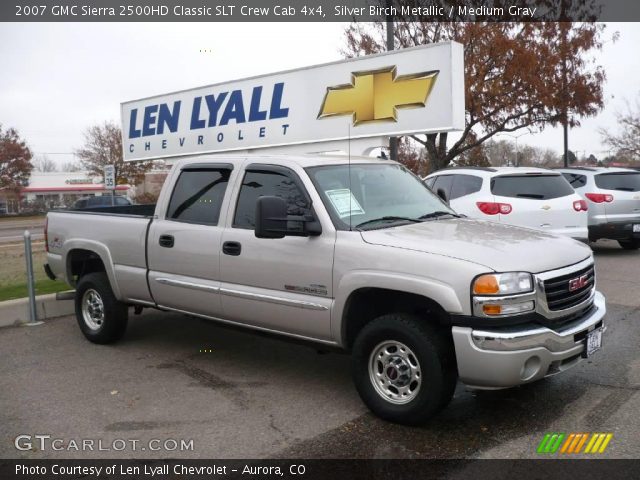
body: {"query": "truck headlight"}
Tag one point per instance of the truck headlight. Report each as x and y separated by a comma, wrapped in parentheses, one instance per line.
(503, 283)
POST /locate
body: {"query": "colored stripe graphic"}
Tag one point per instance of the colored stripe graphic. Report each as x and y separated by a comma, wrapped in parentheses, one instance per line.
(573, 443)
(550, 443)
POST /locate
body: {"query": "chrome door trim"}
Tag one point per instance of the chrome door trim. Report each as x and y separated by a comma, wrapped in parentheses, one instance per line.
(249, 326)
(240, 294)
(272, 299)
(191, 285)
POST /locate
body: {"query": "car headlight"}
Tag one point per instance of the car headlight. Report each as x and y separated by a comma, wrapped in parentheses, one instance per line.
(503, 283)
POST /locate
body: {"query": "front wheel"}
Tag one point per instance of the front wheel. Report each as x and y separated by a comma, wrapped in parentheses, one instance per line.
(403, 368)
(632, 244)
(101, 317)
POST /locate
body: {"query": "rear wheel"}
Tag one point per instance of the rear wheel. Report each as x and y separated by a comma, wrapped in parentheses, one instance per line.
(403, 368)
(101, 317)
(632, 244)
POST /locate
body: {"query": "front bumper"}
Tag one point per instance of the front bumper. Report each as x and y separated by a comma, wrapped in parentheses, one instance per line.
(506, 357)
(614, 231)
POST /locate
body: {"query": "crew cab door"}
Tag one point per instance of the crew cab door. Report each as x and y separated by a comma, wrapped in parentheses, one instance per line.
(282, 284)
(184, 244)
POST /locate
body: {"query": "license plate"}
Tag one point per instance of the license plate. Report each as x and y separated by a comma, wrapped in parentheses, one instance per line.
(636, 228)
(593, 342)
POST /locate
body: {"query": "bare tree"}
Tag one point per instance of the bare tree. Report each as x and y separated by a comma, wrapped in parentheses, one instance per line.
(42, 163)
(102, 147)
(626, 141)
(70, 167)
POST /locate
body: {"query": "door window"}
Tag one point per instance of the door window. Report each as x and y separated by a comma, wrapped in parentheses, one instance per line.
(575, 179)
(259, 183)
(443, 182)
(465, 185)
(197, 196)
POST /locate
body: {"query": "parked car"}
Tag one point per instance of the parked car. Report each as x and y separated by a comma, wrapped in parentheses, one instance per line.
(527, 197)
(101, 201)
(613, 195)
(353, 254)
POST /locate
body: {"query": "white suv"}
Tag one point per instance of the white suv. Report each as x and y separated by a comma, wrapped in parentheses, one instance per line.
(613, 195)
(528, 197)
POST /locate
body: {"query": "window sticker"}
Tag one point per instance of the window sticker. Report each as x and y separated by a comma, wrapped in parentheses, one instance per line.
(344, 202)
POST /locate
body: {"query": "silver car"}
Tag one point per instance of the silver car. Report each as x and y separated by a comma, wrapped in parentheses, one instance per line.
(613, 196)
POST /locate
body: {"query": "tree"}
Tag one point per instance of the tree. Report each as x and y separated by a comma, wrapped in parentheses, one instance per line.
(514, 74)
(102, 147)
(626, 141)
(43, 163)
(15, 160)
(70, 167)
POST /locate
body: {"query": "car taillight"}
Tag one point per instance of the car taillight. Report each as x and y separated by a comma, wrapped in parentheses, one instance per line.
(599, 197)
(580, 206)
(493, 208)
(46, 236)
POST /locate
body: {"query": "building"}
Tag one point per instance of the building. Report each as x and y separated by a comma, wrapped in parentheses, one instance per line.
(58, 189)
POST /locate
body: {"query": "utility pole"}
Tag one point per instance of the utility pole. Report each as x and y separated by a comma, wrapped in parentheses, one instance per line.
(565, 112)
(393, 141)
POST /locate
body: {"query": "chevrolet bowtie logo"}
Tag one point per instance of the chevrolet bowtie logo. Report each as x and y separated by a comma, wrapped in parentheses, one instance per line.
(375, 96)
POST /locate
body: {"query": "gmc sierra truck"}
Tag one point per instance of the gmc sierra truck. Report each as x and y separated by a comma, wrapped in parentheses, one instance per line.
(356, 254)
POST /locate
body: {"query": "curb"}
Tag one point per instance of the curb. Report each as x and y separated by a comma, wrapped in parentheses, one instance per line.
(16, 312)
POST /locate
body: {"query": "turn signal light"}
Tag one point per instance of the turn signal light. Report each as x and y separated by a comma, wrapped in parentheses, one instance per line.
(580, 206)
(493, 208)
(599, 197)
(486, 285)
(492, 309)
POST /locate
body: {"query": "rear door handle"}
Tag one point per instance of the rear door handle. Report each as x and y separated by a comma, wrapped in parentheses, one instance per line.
(231, 248)
(166, 241)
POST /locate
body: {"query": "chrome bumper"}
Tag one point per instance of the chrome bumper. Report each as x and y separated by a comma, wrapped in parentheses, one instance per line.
(507, 357)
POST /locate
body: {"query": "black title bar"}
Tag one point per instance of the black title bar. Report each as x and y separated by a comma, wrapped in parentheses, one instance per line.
(317, 10)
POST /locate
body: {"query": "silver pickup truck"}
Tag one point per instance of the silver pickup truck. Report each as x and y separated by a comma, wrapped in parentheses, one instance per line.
(357, 255)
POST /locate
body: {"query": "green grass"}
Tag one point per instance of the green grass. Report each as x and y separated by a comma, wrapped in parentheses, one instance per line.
(11, 292)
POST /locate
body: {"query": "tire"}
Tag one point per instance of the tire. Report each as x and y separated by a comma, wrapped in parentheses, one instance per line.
(426, 386)
(101, 317)
(631, 244)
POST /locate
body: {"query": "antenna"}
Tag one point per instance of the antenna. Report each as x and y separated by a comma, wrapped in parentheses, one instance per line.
(349, 167)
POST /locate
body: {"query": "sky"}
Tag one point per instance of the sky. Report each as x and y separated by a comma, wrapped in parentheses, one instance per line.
(59, 78)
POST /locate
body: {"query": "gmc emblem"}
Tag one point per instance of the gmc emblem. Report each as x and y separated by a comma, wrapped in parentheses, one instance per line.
(578, 283)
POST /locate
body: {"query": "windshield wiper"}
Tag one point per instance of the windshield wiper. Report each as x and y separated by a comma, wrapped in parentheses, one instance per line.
(535, 196)
(438, 213)
(389, 218)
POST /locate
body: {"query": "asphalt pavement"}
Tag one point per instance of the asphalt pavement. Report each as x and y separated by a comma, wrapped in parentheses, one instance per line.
(239, 395)
(12, 231)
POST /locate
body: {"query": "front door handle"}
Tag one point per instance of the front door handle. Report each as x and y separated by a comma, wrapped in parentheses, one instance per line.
(231, 248)
(166, 241)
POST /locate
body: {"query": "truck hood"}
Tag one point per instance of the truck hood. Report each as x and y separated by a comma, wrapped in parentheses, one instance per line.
(498, 247)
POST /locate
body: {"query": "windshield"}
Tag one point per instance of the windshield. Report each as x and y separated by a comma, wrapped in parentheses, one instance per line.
(626, 182)
(537, 187)
(375, 195)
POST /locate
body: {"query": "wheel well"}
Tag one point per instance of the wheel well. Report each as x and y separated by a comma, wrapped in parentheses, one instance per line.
(81, 262)
(366, 304)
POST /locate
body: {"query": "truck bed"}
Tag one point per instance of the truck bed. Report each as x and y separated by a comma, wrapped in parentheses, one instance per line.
(146, 210)
(118, 235)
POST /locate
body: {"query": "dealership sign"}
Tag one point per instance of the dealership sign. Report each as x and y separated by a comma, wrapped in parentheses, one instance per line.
(415, 90)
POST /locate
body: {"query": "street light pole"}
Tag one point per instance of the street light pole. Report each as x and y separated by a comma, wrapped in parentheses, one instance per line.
(516, 137)
(393, 141)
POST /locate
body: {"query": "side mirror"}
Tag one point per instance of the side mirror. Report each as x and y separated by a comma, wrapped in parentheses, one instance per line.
(440, 192)
(271, 217)
(272, 220)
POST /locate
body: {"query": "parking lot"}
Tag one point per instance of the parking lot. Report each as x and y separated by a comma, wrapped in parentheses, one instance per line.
(238, 395)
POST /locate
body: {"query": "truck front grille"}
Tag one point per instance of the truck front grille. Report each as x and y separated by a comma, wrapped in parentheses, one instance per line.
(558, 293)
